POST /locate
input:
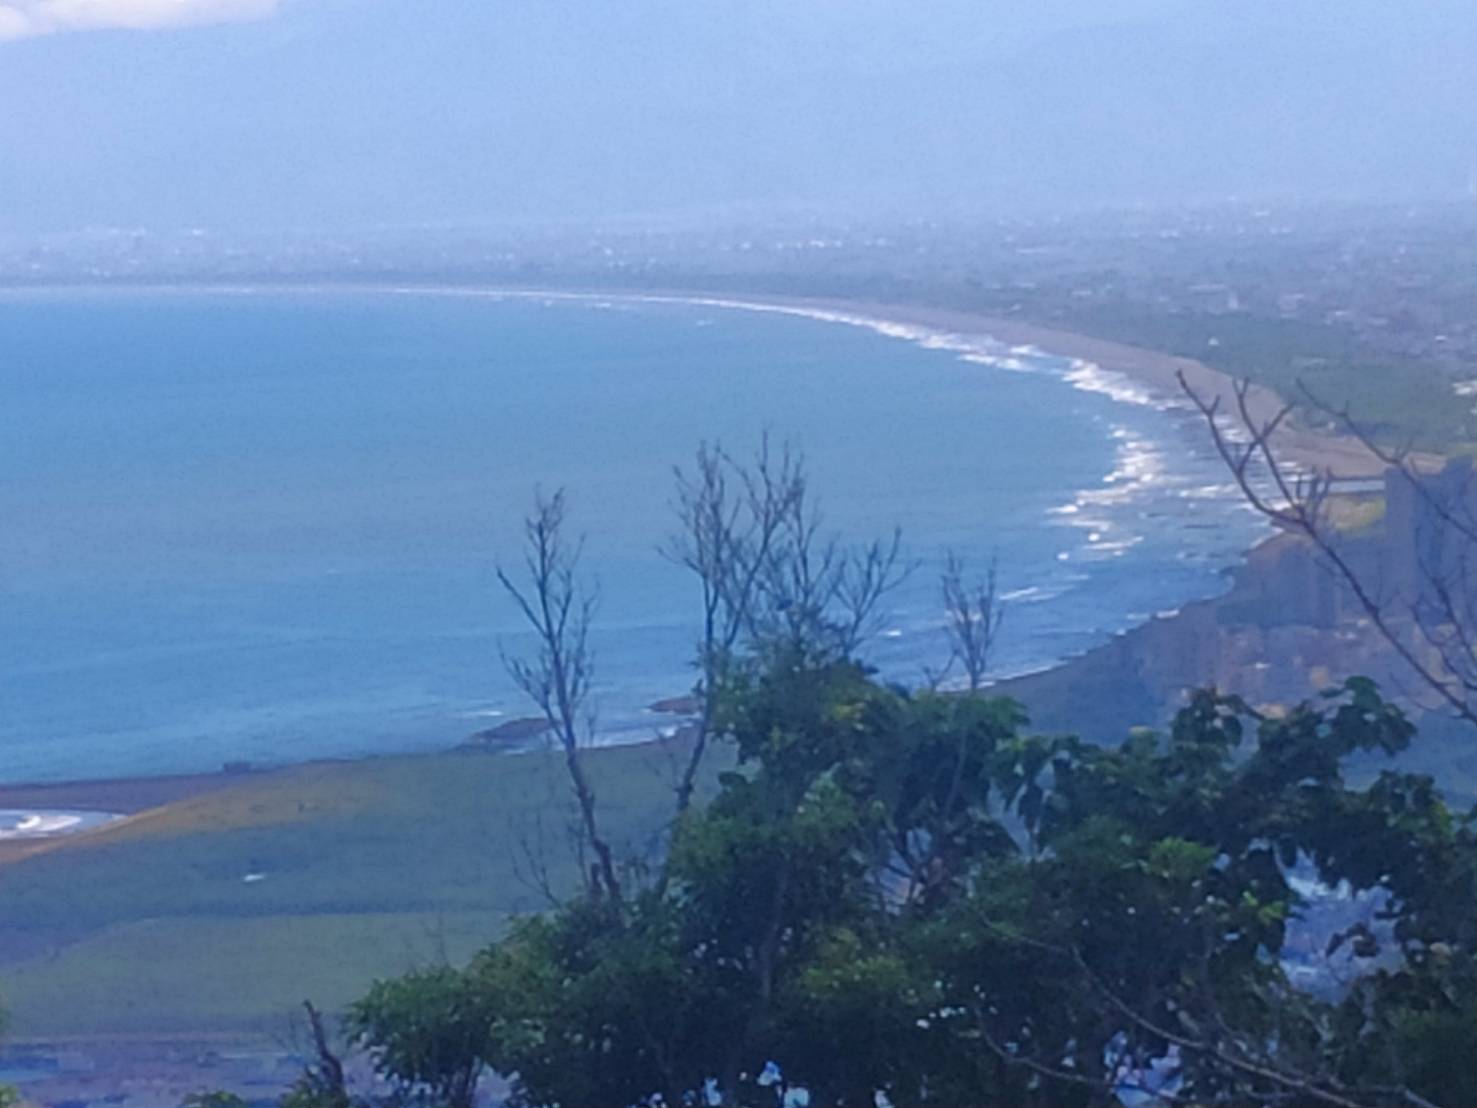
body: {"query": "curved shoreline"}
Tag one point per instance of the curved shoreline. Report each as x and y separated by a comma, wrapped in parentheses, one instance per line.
(972, 336)
(1159, 372)
(1308, 448)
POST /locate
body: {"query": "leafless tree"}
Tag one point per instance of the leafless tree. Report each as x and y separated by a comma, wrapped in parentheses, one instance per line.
(973, 612)
(817, 595)
(729, 516)
(557, 677)
(767, 574)
(866, 574)
(1428, 614)
(753, 537)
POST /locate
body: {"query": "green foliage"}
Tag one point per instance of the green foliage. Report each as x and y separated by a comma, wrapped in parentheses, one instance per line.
(1162, 892)
(903, 893)
(1402, 400)
(428, 1031)
(1416, 1024)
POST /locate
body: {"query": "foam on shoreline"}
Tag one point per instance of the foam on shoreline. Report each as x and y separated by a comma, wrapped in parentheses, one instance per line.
(1143, 484)
(979, 348)
(23, 825)
(1141, 463)
(1106, 520)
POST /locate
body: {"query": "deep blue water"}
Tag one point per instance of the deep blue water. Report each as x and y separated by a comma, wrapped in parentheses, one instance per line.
(263, 525)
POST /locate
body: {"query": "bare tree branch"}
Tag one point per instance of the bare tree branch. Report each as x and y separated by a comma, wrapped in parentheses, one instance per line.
(729, 516)
(867, 574)
(557, 678)
(816, 595)
(751, 535)
(973, 612)
(327, 1075)
(1231, 1051)
(1298, 504)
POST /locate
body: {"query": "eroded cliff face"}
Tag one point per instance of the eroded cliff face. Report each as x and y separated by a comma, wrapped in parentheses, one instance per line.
(1285, 630)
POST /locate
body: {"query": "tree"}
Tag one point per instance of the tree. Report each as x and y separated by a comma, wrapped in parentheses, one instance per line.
(752, 536)
(557, 678)
(730, 517)
(900, 892)
(322, 1083)
(1150, 934)
(428, 1032)
(973, 612)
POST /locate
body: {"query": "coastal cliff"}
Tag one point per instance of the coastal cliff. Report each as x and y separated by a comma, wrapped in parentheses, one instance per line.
(1258, 640)
(1286, 630)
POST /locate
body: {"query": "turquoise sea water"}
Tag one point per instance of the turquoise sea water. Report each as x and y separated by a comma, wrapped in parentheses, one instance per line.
(263, 526)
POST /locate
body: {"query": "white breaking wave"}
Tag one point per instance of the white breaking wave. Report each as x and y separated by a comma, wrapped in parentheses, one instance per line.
(977, 348)
(1035, 594)
(1140, 465)
(1091, 377)
(45, 824)
(1143, 470)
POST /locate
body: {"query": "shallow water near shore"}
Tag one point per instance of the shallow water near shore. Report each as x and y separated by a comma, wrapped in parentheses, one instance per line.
(22, 825)
(262, 525)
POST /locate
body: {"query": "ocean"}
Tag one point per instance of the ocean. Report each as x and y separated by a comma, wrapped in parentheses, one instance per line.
(263, 525)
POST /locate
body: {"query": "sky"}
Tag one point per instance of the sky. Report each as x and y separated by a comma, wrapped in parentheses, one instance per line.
(344, 114)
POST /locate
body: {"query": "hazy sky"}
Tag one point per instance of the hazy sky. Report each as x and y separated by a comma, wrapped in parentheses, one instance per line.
(347, 113)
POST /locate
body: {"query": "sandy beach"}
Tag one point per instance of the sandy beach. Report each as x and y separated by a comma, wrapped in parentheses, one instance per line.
(1306, 448)
(122, 799)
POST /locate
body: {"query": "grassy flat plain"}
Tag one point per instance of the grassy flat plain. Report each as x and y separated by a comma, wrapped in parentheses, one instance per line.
(359, 870)
(1402, 401)
(367, 869)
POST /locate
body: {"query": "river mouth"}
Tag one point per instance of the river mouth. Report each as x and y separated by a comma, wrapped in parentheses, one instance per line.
(26, 825)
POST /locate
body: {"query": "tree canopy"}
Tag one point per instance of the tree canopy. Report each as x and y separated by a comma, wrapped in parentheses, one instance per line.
(904, 898)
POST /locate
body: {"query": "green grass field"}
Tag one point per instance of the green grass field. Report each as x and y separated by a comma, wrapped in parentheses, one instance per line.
(1401, 401)
(367, 869)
